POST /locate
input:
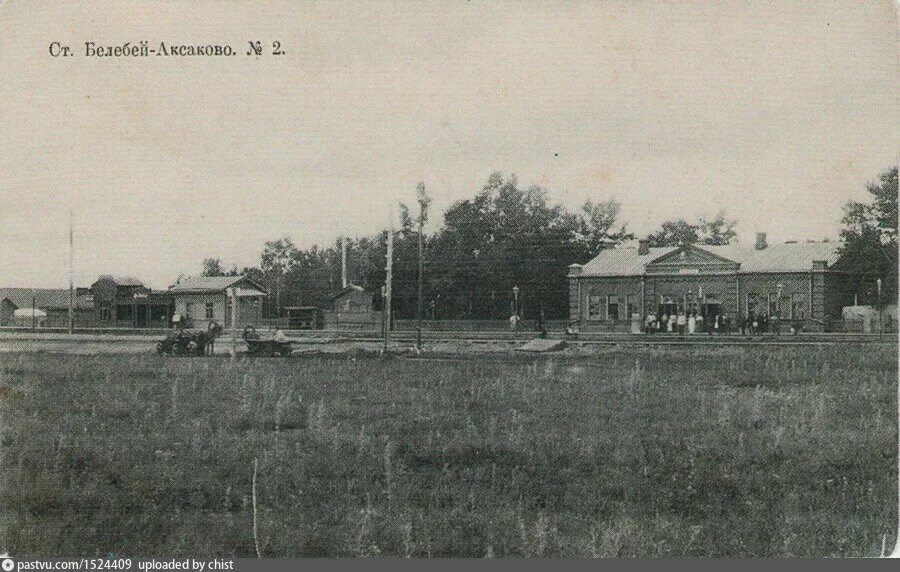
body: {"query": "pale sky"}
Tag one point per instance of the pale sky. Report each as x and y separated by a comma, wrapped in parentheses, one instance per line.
(776, 112)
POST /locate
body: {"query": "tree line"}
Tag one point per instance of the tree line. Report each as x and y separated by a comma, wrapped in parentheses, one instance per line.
(507, 236)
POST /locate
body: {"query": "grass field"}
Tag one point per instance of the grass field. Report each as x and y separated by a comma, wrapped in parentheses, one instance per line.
(657, 453)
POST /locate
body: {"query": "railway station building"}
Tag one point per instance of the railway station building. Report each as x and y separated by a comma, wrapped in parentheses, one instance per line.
(124, 301)
(200, 300)
(799, 283)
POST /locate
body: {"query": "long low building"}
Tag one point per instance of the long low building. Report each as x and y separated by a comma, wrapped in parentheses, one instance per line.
(43, 307)
(799, 283)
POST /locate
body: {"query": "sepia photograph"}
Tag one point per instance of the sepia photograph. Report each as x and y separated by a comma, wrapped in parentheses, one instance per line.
(377, 279)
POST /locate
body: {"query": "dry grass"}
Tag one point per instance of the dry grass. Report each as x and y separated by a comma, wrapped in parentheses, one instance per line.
(712, 452)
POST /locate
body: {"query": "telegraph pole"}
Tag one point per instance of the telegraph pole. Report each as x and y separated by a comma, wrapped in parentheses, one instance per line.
(344, 280)
(71, 275)
(423, 204)
(421, 286)
(232, 293)
(388, 279)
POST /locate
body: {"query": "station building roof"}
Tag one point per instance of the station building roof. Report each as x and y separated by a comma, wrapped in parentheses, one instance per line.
(783, 257)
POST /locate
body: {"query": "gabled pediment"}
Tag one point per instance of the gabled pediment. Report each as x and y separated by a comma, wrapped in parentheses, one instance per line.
(690, 258)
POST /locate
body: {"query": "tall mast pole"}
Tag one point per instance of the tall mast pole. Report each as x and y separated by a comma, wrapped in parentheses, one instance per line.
(71, 274)
(344, 281)
(389, 278)
(423, 205)
(421, 276)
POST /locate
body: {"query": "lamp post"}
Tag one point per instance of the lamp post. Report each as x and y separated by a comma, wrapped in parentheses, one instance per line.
(878, 285)
(516, 300)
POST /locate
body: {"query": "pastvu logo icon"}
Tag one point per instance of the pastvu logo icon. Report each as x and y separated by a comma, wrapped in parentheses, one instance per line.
(8, 564)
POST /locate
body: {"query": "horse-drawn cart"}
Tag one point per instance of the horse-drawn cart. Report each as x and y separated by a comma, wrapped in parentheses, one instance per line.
(260, 347)
(185, 342)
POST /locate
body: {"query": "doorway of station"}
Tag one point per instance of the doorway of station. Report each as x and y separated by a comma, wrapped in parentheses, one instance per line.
(140, 316)
(711, 308)
(667, 307)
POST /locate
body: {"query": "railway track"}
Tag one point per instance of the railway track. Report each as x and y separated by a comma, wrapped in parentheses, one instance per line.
(603, 339)
(501, 338)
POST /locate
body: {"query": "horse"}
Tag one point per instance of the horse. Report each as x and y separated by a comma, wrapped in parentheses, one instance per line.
(207, 340)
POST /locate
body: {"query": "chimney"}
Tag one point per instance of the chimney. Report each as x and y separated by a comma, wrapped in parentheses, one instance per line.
(643, 247)
(761, 241)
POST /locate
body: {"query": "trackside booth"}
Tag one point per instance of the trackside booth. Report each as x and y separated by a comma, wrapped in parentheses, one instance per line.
(204, 299)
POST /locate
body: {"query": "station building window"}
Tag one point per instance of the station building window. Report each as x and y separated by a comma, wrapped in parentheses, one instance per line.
(612, 307)
(798, 308)
(209, 310)
(595, 306)
(773, 304)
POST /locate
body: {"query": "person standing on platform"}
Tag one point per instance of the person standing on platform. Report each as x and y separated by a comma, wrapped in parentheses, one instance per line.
(649, 322)
(692, 323)
(682, 322)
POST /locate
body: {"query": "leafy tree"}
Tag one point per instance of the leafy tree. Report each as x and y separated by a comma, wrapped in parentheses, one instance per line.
(870, 235)
(424, 200)
(213, 267)
(278, 258)
(674, 233)
(503, 236)
(718, 230)
(596, 225)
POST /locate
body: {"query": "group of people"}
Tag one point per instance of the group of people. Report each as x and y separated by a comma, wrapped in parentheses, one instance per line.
(693, 322)
(684, 322)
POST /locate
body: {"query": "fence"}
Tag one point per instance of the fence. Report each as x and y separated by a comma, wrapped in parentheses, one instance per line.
(867, 325)
(364, 321)
(477, 325)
